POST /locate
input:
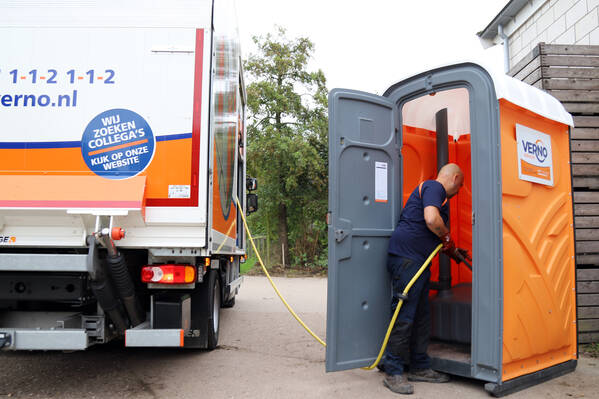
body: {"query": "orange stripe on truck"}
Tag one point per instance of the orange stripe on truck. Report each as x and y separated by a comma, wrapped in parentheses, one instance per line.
(49, 191)
(117, 147)
(169, 166)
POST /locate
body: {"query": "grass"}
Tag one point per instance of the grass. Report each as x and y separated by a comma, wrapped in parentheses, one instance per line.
(252, 267)
(248, 265)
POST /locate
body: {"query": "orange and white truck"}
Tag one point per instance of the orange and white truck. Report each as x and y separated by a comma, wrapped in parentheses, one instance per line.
(122, 172)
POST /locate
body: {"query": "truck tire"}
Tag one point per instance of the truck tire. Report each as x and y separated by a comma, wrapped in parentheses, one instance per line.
(205, 311)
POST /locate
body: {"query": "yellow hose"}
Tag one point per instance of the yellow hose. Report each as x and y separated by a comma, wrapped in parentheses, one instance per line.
(270, 279)
(405, 292)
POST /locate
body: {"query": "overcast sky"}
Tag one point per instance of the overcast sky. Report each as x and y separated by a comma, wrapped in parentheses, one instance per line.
(369, 45)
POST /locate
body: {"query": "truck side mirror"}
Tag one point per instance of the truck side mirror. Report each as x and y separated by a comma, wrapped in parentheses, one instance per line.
(251, 183)
(252, 203)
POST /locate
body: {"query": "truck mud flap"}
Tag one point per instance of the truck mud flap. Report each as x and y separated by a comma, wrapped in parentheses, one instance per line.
(144, 336)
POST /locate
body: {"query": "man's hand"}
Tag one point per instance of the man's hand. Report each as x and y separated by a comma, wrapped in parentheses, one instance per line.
(458, 254)
(448, 244)
(449, 248)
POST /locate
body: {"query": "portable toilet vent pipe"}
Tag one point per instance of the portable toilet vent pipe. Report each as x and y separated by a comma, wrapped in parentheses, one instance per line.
(442, 138)
(511, 320)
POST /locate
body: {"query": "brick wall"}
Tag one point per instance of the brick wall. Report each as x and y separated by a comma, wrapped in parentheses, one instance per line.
(554, 22)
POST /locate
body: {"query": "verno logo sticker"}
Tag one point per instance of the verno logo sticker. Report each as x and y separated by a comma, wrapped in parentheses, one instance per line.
(535, 160)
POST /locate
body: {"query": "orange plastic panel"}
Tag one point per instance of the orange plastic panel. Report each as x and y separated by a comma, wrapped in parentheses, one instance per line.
(461, 210)
(539, 314)
(420, 163)
(419, 158)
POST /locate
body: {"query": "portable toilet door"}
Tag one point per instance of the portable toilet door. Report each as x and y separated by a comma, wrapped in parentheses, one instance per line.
(520, 230)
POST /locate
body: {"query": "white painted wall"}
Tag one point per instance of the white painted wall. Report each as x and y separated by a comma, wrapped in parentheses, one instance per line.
(554, 22)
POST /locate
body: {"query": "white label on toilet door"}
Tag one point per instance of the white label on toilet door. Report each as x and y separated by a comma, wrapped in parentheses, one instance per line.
(380, 182)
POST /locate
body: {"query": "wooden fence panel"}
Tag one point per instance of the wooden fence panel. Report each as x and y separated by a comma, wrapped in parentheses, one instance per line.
(586, 197)
(585, 96)
(527, 59)
(588, 157)
(586, 222)
(585, 170)
(570, 84)
(587, 259)
(587, 288)
(567, 49)
(586, 121)
(579, 107)
(573, 61)
(529, 69)
(585, 338)
(580, 133)
(586, 183)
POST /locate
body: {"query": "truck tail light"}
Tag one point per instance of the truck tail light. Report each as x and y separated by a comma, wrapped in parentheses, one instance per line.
(168, 274)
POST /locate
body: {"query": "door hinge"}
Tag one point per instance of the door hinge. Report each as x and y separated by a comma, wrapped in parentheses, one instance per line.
(340, 234)
(473, 218)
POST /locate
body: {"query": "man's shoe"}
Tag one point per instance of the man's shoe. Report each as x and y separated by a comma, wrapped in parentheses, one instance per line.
(427, 375)
(398, 384)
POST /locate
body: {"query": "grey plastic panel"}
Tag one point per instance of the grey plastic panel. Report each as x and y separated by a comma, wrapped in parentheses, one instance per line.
(363, 130)
(487, 283)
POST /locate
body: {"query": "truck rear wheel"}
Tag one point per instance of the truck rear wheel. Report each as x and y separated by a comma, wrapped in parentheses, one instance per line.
(205, 310)
(214, 322)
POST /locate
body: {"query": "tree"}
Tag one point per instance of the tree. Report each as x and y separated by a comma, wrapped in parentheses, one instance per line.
(287, 136)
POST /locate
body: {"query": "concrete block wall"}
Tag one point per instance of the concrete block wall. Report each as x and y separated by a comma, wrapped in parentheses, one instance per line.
(553, 22)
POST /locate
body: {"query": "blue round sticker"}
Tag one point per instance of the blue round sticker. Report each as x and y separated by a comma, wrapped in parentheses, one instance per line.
(118, 144)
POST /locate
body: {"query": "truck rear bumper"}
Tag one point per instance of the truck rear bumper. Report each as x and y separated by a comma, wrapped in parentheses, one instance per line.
(26, 330)
(44, 262)
(31, 339)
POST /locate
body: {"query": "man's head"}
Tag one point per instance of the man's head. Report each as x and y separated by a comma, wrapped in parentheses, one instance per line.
(452, 179)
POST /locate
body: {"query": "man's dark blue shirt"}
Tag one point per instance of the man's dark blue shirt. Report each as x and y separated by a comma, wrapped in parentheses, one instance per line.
(412, 239)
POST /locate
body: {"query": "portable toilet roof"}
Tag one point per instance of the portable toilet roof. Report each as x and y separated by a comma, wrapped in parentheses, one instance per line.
(456, 101)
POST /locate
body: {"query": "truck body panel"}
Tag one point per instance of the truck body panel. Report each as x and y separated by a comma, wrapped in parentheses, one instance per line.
(127, 92)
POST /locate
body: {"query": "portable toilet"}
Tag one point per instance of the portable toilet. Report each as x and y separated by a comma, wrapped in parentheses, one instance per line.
(511, 320)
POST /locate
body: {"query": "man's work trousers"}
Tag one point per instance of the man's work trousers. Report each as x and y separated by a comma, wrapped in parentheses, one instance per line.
(410, 335)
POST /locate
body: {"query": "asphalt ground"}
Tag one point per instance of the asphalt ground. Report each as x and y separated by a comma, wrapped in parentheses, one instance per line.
(263, 353)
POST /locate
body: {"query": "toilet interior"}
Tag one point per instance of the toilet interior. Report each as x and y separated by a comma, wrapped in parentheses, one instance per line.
(451, 308)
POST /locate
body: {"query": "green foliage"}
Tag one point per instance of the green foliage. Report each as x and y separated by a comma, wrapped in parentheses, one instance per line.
(248, 265)
(287, 145)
